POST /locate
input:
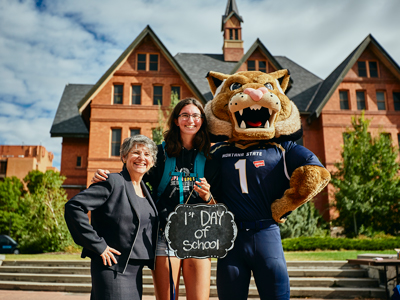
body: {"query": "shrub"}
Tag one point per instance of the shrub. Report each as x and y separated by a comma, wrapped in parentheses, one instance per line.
(304, 221)
(328, 243)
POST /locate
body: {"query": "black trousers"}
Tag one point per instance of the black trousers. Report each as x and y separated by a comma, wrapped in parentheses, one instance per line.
(111, 285)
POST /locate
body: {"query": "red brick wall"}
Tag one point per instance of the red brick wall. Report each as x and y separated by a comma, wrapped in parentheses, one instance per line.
(105, 115)
(71, 149)
(334, 121)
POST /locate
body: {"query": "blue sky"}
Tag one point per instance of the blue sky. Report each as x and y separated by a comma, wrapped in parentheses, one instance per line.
(47, 44)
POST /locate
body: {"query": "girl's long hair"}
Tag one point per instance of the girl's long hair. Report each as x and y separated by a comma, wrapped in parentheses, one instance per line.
(172, 137)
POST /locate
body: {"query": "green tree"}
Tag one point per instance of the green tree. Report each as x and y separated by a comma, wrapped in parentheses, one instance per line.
(162, 116)
(367, 185)
(12, 207)
(304, 221)
(46, 228)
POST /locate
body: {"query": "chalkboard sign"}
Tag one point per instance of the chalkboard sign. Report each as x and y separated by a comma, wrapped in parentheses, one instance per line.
(201, 230)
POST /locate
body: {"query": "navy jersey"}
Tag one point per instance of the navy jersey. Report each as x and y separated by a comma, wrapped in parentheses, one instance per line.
(253, 177)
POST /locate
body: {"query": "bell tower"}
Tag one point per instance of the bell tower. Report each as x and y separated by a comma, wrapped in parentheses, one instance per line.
(232, 32)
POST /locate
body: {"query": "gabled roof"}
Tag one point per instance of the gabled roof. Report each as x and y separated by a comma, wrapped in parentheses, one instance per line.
(67, 121)
(231, 10)
(263, 49)
(197, 65)
(124, 56)
(329, 85)
(304, 84)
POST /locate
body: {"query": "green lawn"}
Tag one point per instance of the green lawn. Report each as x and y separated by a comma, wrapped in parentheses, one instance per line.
(330, 255)
(290, 255)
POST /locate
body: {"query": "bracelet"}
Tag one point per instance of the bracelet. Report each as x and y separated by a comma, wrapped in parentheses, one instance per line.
(209, 198)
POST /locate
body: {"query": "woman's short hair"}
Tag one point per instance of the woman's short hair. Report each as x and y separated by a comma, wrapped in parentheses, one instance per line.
(138, 139)
(172, 136)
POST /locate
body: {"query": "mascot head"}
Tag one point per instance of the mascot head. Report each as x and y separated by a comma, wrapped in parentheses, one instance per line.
(250, 106)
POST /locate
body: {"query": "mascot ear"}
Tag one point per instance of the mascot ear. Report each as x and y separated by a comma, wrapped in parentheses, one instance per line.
(215, 80)
(283, 77)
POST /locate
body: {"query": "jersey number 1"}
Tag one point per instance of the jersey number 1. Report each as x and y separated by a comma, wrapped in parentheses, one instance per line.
(241, 166)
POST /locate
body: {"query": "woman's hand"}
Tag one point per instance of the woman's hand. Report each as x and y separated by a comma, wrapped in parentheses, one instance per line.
(203, 188)
(100, 175)
(108, 256)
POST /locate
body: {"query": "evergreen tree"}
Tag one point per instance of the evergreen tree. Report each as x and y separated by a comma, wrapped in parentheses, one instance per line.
(304, 221)
(367, 182)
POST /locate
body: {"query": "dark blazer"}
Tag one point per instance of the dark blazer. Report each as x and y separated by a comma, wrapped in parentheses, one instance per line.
(114, 218)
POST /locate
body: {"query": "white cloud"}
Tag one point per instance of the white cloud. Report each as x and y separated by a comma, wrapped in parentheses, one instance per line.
(74, 41)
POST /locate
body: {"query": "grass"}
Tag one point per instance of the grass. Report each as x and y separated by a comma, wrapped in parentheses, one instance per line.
(290, 255)
(330, 255)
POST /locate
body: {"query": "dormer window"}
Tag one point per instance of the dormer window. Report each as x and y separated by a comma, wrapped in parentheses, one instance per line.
(257, 65)
(368, 69)
(147, 62)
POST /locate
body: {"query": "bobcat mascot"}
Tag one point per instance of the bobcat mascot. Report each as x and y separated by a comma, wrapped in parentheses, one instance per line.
(264, 176)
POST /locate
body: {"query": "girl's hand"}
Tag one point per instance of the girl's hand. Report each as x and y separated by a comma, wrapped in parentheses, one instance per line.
(203, 188)
(108, 256)
(100, 175)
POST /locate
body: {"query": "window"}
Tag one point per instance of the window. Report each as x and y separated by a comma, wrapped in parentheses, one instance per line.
(233, 34)
(373, 69)
(257, 65)
(153, 62)
(368, 69)
(344, 99)
(396, 100)
(3, 167)
(147, 62)
(135, 132)
(115, 141)
(176, 90)
(360, 100)
(398, 139)
(118, 93)
(262, 66)
(157, 95)
(79, 161)
(362, 69)
(141, 62)
(380, 100)
(136, 94)
(251, 65)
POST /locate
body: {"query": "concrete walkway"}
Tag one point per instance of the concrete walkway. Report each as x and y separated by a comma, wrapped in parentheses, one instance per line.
(30, 295)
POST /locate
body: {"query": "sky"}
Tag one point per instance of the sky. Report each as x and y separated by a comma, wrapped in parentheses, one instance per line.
(47, 44)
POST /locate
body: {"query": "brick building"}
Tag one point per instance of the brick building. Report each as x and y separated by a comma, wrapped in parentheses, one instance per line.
(94, 119)
(19, 160)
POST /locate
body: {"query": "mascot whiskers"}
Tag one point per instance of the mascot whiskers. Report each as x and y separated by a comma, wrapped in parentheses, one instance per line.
(264, 176)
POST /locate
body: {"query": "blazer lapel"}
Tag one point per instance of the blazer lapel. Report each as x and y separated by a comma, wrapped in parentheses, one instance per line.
(130, 191)
(148, 196)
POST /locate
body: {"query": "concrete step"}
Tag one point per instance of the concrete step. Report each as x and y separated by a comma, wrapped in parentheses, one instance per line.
(315, 292)
(147, 279)
(45, 270)
(48, 263)
(329, 272)
(86, 263)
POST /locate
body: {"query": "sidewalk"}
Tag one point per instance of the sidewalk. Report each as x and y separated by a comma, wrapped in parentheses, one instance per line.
(30, 295)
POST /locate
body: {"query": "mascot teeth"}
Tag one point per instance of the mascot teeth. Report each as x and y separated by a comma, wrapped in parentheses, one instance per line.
(267, 124)
(243, 125)
(256, 107)
(241, 112)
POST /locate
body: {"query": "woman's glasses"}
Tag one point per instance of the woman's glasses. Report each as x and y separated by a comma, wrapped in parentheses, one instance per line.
(185, 117)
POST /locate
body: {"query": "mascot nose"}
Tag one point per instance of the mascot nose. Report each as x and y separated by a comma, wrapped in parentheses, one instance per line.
(257, 94)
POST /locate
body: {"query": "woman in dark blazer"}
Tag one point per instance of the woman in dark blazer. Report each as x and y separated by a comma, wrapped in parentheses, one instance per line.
(122, 236)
